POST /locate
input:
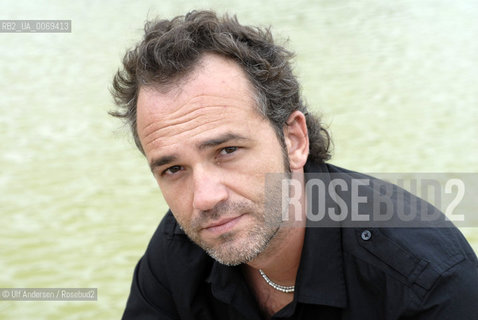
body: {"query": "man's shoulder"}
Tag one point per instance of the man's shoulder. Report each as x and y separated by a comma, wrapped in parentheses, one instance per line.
(415, 256)
(172, 269)
(417, 269)
(411, 255)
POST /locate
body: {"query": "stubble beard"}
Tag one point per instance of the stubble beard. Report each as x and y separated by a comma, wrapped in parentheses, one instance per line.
(241, 246)
(237, 247)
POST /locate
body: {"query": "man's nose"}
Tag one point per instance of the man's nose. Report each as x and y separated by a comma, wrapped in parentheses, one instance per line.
(209, 189)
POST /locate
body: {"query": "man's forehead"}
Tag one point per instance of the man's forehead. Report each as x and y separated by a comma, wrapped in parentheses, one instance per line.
(152, 101)
(213, 78)
(216, 94)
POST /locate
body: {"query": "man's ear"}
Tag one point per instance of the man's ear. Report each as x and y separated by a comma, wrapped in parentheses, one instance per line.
(296, 140)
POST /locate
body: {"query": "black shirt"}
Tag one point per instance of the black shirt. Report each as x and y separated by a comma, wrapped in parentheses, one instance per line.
(344, 273)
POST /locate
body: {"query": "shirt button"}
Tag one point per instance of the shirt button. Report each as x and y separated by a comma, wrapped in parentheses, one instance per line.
(366, 235)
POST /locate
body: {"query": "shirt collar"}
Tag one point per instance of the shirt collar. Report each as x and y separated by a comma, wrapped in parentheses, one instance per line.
(320, 279)
(228, 285)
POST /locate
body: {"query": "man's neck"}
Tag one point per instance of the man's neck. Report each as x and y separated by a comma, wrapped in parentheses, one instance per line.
(280, 261)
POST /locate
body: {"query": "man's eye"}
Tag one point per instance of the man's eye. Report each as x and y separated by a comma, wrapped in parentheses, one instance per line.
(172, 170)
(229, 150)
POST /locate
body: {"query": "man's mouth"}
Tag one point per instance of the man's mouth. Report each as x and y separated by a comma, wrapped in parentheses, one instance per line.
(222, 225)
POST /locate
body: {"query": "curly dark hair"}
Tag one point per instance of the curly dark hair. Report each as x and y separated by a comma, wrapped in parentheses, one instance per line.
(171, 48)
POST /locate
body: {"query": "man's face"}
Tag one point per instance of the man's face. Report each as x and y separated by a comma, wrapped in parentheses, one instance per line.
(210, 150)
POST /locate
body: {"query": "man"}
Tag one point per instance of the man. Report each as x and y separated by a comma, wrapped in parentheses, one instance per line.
(215, 109)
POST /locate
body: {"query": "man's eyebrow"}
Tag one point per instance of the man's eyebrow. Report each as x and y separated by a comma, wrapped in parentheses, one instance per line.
(161, 161)
(219, 140)
(209, 143)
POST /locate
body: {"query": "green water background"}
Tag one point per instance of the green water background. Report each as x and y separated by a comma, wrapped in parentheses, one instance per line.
(395, 80)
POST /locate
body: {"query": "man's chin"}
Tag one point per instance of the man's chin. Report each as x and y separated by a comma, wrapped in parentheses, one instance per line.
(231, 261)
(236, 252)
(235, 248)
